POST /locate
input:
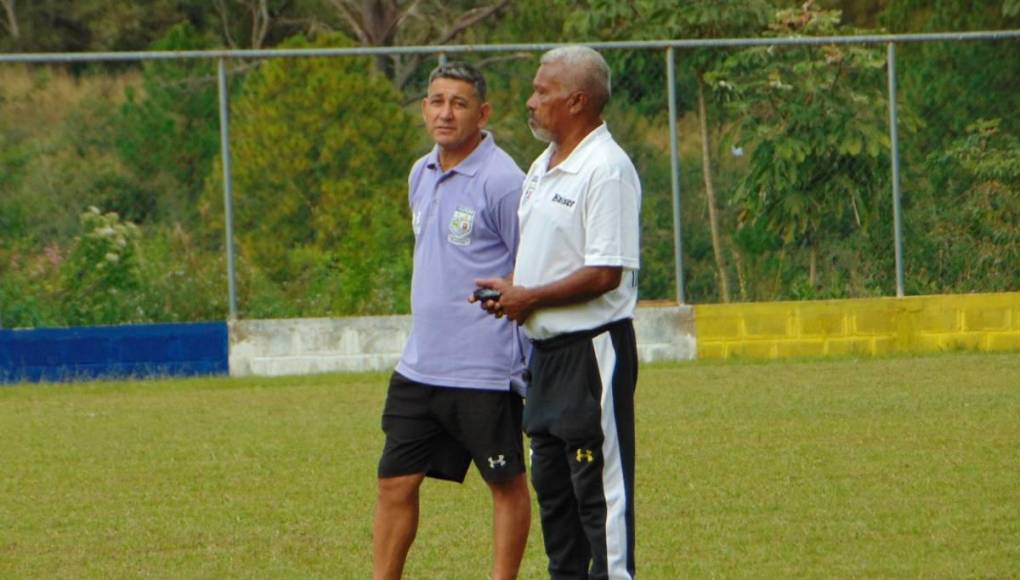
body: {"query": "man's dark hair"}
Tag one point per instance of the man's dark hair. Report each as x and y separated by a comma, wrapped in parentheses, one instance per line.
(461, 71)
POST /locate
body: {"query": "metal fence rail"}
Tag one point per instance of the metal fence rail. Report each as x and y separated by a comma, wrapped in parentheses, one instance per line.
(67, 57)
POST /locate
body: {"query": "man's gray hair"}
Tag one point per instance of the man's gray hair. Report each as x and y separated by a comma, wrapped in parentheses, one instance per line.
(587, 71)
(461, 71)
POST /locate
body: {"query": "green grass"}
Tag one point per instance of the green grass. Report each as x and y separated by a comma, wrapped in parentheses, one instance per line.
(905, 467)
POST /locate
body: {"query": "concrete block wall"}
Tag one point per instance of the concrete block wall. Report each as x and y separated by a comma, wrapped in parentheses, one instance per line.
(987, 322)
(374, 343)
(300, 346)
(876, 326)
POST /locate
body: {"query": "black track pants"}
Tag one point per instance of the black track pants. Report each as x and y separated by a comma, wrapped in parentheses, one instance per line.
(580, 417)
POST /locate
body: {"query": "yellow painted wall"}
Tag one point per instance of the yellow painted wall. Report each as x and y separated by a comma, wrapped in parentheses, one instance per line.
(870, 326)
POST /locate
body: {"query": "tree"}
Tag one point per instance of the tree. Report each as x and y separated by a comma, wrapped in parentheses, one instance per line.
(84, 25)
(10, 21)
(409, 22)
(814, 121)
(321, 152)
(953, 84)
(697, 19)
(258, 12)
(970, 229)
(167, 133)
(260, 23)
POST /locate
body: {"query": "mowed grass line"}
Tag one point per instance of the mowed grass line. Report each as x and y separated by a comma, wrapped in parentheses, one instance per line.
(843, 468)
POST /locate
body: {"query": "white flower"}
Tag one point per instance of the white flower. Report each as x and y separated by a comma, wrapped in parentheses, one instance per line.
(113, 258)
(737, 151)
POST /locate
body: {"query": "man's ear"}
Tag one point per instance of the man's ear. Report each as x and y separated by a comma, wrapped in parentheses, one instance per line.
(578, 102)
(486, 111)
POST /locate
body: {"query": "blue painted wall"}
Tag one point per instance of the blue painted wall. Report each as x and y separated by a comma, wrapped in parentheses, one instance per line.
(62, 354)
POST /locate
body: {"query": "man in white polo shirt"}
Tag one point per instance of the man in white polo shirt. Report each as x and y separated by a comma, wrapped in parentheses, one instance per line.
(573, 291)
(450, 400)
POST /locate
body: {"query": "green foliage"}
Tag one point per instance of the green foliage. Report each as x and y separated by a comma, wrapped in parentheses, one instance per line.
(974, 77)
(969, 234)
(57, 174)
(321, 155)
(13, 216)
(182, 281)
(814, 121)
(960, 218)
(101, 274)
(322, 148)
(91, 25)
(662, 20)
(114, 272)
(29, 287)
(168, 132)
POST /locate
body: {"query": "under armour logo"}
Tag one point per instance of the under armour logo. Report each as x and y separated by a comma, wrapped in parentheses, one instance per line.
(495, 462)
(585, 455)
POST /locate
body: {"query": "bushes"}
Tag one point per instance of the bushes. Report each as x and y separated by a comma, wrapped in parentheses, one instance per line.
(114, 272)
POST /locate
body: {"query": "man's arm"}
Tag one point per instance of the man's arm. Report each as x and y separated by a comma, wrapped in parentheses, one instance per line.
(518, 302)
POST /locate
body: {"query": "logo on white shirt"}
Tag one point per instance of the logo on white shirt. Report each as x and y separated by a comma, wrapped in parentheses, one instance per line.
(557, 198)
(529, 188)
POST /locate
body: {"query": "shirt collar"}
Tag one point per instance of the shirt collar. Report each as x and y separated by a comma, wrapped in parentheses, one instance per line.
(471, 164)
(574, 161)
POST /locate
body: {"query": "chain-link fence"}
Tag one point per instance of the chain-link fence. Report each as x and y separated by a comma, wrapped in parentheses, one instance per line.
(256, 184)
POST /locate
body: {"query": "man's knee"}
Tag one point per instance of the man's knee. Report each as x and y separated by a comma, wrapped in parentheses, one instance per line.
(400, 490)
(513, 490)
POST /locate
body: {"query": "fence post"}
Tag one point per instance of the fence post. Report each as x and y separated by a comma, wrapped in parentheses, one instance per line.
(895, 151)
(674, 163)
(228, 187)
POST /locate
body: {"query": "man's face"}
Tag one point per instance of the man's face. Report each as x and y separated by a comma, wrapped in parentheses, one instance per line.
(453, 113)
(548, 104)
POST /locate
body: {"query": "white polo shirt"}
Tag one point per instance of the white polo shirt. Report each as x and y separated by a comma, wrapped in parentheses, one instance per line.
(584, 212)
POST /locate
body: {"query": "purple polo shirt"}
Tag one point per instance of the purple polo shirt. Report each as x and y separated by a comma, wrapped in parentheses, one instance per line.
(465, 227)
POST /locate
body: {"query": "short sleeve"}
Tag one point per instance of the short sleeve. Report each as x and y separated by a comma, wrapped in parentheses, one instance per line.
(611, 228)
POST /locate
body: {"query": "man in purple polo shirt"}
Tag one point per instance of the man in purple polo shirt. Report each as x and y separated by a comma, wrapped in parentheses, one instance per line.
(452, 397)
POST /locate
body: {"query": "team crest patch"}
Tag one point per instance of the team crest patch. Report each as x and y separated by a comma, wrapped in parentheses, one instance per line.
(416, 223)
(461, 224)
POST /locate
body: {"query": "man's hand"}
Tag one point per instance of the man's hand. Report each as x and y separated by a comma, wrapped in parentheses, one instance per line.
(518, 302)
(514, 301)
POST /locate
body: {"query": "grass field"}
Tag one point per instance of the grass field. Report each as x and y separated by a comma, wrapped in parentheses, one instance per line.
(906, 467)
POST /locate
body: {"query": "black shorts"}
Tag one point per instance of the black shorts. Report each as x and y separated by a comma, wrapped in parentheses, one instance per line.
(438, 431)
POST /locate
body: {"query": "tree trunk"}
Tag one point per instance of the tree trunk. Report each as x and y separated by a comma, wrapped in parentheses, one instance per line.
(12, 18)
(713, 215)
(813, 267)
(379, 19)
(738, 264)
(380, 22)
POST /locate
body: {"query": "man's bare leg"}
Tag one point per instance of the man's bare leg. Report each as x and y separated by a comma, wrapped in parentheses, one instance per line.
(396, 523)
(511, 522)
